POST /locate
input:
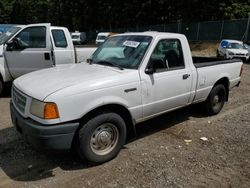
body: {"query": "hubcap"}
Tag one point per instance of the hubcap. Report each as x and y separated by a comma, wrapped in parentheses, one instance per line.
(216, 100)
(104, 139)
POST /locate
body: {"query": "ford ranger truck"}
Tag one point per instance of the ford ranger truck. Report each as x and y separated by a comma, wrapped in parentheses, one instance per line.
(132, 77)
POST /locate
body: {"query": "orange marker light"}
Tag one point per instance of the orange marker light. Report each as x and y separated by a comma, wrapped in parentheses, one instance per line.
(51, 111)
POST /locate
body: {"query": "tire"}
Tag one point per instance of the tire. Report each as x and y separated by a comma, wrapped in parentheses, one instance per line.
(102, 137)
(1, 86)
(216, 100)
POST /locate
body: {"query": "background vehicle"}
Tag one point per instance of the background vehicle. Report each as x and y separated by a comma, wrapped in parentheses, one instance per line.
(5, 27)
(230, 49)
(78, 37)
(24, 49)
(130, 78)
(101, 37)
(247, 47)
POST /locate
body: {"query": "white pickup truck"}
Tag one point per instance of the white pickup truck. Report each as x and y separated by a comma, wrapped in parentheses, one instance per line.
(24, 49)
(129, 79)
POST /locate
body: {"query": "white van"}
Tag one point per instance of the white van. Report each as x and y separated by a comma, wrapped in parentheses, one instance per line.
(101, 37)
(78, 37)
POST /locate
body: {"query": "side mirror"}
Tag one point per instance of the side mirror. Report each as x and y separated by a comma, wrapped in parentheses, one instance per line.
(15, 44)
(149, 70)
(9, 45)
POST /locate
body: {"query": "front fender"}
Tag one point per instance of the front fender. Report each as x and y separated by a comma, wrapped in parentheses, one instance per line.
(4, 73)
(74, 107)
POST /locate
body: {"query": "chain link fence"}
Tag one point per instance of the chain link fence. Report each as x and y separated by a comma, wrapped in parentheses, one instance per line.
(198, 31)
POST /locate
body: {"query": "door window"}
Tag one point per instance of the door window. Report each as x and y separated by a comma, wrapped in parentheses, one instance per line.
(167, 55)
(33, 37)
(59, 38)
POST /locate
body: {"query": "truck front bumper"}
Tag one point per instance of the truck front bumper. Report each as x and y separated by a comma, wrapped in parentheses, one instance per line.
(44, 137)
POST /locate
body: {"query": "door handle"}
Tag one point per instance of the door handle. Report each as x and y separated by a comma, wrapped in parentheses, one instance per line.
(46, 56)
(185, 76)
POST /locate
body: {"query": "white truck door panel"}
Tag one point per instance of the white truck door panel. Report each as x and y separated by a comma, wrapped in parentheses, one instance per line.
(170, 85)
(63, 48)
(35, 53)
(165, 91)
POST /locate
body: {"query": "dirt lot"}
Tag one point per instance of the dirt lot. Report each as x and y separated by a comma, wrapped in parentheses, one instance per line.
(167, 152)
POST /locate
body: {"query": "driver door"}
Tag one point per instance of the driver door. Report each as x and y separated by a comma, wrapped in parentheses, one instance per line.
(34, 52)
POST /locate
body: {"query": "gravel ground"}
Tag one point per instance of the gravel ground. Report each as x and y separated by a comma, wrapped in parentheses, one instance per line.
(167, 152)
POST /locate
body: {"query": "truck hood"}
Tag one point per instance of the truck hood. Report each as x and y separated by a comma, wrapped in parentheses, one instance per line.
(40, 84)
(238, 51)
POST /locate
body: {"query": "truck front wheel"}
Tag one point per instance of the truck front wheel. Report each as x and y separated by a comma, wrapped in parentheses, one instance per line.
(216, 99)
(102, 137)
(1, 86)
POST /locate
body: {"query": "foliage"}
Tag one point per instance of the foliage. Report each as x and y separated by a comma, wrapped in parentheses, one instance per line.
(93, 14)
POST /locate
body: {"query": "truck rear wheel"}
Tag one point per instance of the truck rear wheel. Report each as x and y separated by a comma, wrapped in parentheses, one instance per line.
(102, 137)
(216, 99)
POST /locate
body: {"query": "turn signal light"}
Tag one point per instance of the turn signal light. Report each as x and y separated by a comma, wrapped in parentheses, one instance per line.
(51, 111)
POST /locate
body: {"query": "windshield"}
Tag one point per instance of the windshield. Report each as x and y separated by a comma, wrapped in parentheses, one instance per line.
(75, 36)
(235, 46)
(101, 37)
(123, 51)
(8, 34)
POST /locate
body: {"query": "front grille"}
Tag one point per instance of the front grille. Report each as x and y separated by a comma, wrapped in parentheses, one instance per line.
(19, 100)
(240, 54)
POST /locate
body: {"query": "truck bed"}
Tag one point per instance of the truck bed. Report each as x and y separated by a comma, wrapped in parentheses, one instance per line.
(210, 61)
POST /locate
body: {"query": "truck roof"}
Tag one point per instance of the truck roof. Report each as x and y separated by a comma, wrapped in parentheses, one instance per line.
(232, 41)
(57, 27)
(152, 34)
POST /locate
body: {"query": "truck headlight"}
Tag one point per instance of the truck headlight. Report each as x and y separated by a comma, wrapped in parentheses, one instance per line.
(44, 110)
(230, 53)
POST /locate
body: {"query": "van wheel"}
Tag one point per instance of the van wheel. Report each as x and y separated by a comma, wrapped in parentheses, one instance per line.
(216, 100)
(102, 137)
(217, 53)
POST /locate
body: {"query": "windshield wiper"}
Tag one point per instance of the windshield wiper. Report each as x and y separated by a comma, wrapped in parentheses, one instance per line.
(105, 62)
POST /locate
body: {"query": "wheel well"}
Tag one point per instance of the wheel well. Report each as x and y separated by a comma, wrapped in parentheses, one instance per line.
(116, 108)
(225, 82)
(1, 80)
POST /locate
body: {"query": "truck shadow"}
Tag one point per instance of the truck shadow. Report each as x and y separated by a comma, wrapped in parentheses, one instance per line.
(6, 92)
(20, 162)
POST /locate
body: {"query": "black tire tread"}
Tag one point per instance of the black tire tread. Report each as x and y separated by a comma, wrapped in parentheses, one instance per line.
(83, 148)
(208, 103)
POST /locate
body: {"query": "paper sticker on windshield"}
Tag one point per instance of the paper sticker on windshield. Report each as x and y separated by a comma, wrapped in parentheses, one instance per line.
(8, 33)
(133, 44)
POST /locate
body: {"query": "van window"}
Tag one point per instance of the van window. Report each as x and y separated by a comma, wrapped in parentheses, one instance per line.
(101, 37)
(59, 38)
